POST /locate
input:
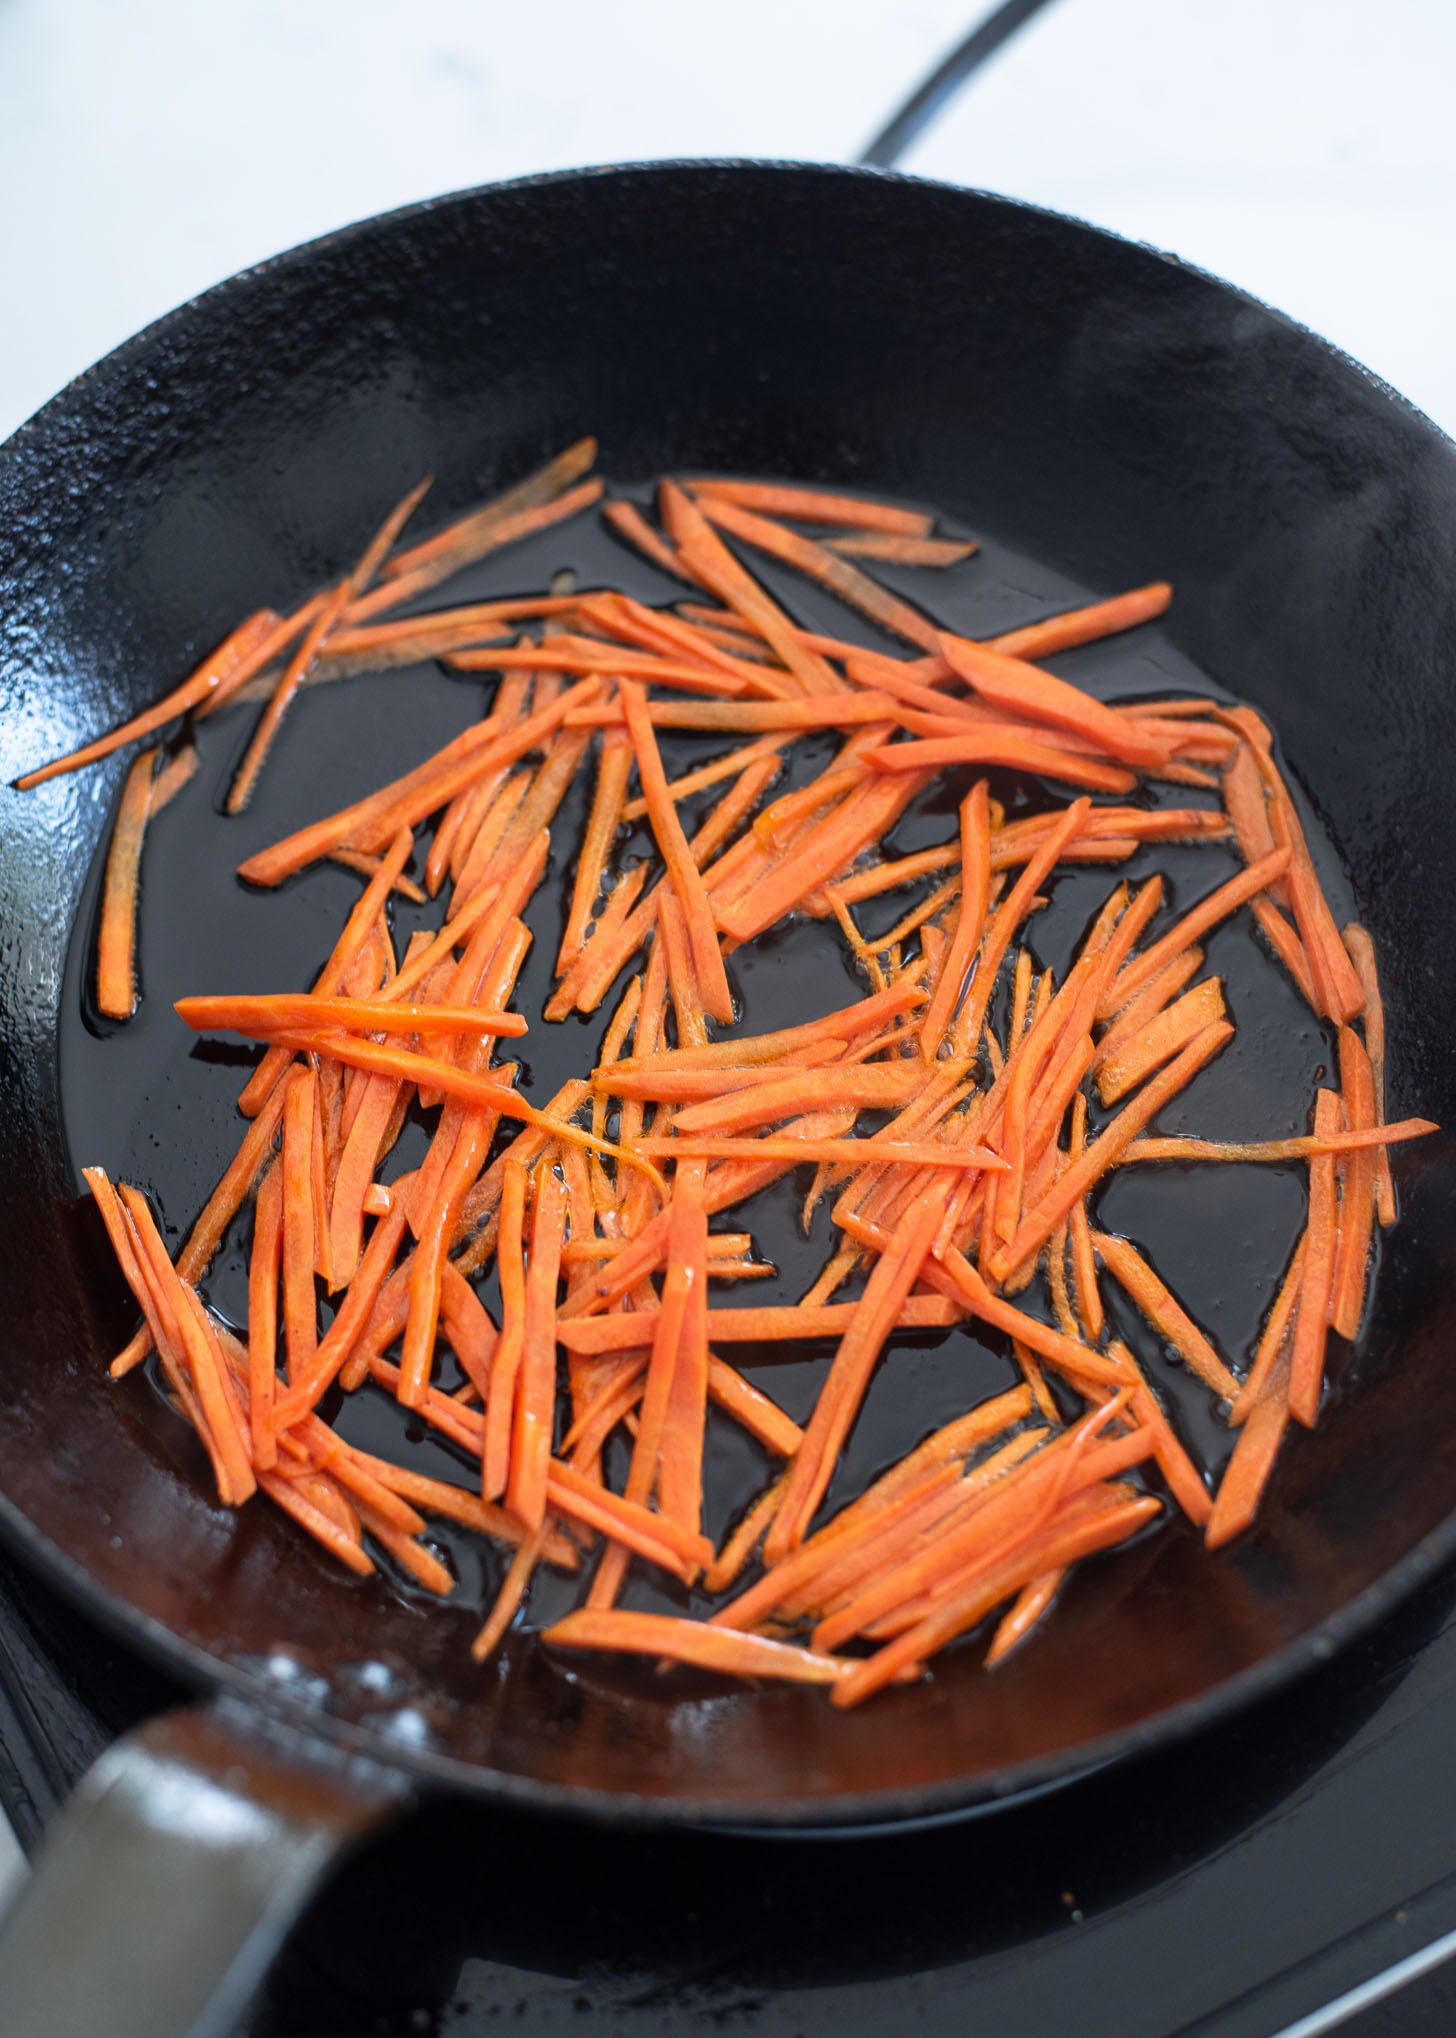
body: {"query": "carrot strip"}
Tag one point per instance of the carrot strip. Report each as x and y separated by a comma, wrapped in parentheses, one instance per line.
(687, 880)
(1357, 1189)
(1085, 625)
(367, 911)
(536, 1381)
(1247, 1473)
(1108, 1146)
(1160, 1038)
(635, 1528)
(826, 568)
(857, 1152)
(547, 484)
(376, 820)
(244, 651)
(116, 991)
(999, 743)
(1032, 1602)
(1052, 1550)
(814, 506)
(1026, 691)
(259, 1015)
(680, 1478)
(284, 1493)
(739, 1547)
(1362, 954)
(1165, 1313)
(510, 1348)
(886, 1293)
(300, 1304)
(709, 562)
(612, 773)
(1307, 1358)
(264, 1264)
(898, 550)
(1270, 1351)
(975, 832)
(750, 1325)
(683, 1641)
(1304, 1147)
(425, 565)
(513, 1590)
(629, 523)
(1192, 927)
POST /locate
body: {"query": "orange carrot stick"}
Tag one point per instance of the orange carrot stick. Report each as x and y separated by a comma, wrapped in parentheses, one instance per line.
(814, 506)
(1192, 927)
(975, 832)
(425, 565)
(300, 1304)
(116, 992)
(315, 637)
(535, 1406)
(1165, 1313)
(1304, 1147)
(1086, 625)
(1032, 1602)
(886, 1293)
(1362, 954)
(1025, 690)
(629, 523)
(264, 1264)
(827, 568)
(686, 878)
(244, 651)
(1159, 1039)
(1307, 1359)
(283, 1011)
(1247, 1473)
(613, 769)
(513, 1589)
(899, 550)
(1357, 1189)
(1001, 744)
(1107, 1147)
(1270, 1351)
(683, 1641)
(505, 1371)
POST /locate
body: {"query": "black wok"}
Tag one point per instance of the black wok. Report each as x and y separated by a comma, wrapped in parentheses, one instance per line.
(1084, 404)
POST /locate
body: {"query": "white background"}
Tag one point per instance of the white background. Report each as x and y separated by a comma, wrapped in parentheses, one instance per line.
(1305, 149)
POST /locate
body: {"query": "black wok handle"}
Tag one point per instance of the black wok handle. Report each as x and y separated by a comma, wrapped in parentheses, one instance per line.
(169, 1881)
(928, 98)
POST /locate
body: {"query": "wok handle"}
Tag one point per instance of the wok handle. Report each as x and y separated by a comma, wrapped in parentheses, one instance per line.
(168, 1883)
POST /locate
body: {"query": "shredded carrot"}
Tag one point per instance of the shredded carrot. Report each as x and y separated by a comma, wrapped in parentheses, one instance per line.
(944, 1113)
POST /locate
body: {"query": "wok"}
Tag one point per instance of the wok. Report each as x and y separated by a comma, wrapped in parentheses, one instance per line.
(1101, 415)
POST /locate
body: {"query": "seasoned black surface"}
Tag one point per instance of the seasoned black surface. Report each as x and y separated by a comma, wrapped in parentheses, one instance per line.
(1103, 411)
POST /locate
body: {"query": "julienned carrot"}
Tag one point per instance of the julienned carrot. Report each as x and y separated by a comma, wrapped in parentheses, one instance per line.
(1086, 625)
(535, 1407)
(997, 743)
(867, 1152)
(815, 506)
(902, 550)
(1026, 691)
(315, 637)
(747, 1325)
(684, 1641)
(1109, 1144)
(1361, 951)
(1160, 1039)
(826, 567)
(283, 1011)
(975, 833)
(947, 1207)
(629, 523)
(243, 652)
(1307, 1356)
(509, 1351)
(1192, 927)
(1165, 1313)
(116, 993)
(686, 878)
(1305, 1146)
(894, 1275)
(437, 558)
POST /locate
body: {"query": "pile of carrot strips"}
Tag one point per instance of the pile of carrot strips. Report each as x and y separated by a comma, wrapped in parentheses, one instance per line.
(959, 1117)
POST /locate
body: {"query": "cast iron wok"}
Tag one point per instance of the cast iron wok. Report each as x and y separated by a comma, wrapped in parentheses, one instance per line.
(1098, 406)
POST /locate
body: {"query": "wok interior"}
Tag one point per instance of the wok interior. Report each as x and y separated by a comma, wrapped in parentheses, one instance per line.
(1107, 411)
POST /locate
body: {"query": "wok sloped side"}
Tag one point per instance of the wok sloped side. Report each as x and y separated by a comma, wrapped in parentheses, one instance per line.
(1123, 417)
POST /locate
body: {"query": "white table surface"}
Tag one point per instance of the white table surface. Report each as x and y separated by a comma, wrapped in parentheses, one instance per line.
(1304, 149)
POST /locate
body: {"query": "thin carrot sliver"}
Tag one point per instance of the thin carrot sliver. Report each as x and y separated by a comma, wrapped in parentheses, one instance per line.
(1307, 1356)
(116, 992)
(535, 1405)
